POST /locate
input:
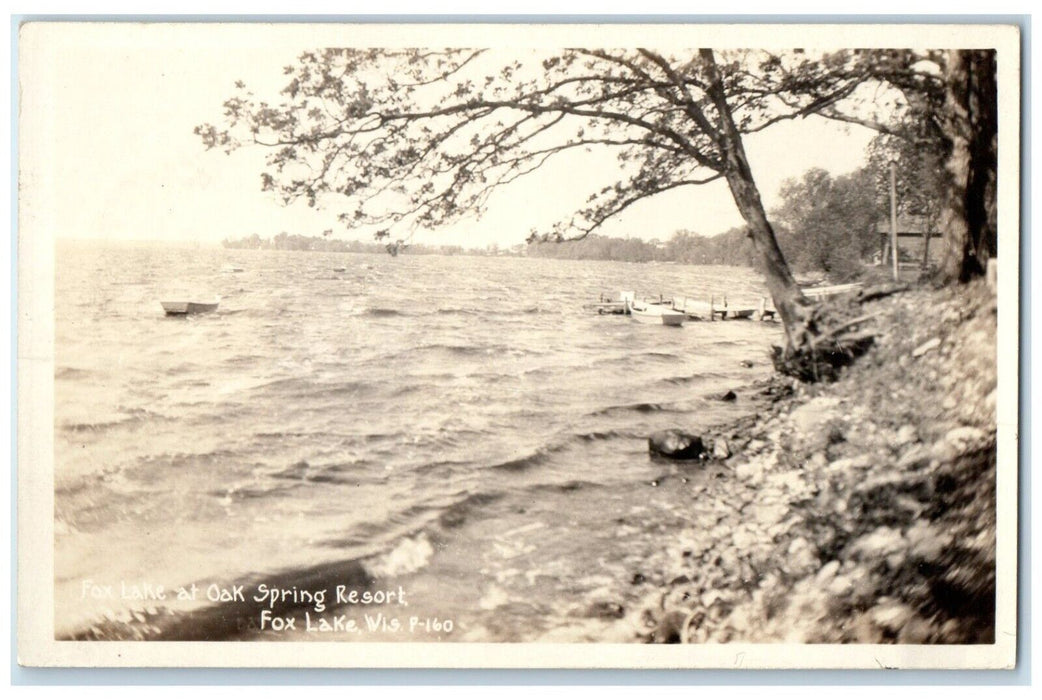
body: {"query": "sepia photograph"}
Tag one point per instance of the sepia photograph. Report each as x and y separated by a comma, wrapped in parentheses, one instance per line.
(556, 345)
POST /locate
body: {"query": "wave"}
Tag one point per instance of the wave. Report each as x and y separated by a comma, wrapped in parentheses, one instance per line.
(534, 459)
(388, 312)
(545, 453)
(680, 380)
(410, 555)
(281, 434)
(658, 355)
(381, 312)
(182, 368)
(306, 389)
(74, 485)
(254, 491)
(457, 312)
(456, 514)
(447, 465)
(463, 350)
(127, 417)
(596, 435)
(567, 486)
(71, 373)
(634, 408)
(337, 473)
(689, 378)
(248, 360)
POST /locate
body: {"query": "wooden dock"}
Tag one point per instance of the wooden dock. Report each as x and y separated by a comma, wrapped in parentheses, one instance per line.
(613, 304)
(717, 308)
(714, 307)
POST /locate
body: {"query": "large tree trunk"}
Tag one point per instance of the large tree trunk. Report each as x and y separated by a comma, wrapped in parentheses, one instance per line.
(788, 299)
(969, 222)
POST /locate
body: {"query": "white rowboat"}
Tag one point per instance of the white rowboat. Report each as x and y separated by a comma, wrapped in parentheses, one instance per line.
(649, 312)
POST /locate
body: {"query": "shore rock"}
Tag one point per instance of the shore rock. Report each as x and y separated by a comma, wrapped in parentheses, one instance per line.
(675, 444)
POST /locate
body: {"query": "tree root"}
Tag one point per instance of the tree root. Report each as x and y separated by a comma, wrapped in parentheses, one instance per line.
(822, 343)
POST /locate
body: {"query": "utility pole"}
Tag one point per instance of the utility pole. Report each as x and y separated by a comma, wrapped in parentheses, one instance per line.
(893, 215)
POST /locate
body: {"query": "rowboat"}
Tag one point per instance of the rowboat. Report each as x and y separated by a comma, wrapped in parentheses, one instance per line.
(183, 308)
(651, 312)
(231, 268)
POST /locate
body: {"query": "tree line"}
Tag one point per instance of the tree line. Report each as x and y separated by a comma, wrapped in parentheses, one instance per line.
(326, 244)
(825, 223)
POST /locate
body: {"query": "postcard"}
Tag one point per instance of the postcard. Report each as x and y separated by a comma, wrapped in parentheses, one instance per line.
(551, 345)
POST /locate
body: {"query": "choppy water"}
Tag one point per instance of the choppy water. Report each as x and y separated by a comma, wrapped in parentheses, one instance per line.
(456, 426)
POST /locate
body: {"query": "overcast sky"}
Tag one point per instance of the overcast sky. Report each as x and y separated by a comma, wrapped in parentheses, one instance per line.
(108, 149)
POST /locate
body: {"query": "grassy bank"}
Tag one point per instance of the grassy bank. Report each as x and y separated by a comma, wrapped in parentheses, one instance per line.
(857, 511)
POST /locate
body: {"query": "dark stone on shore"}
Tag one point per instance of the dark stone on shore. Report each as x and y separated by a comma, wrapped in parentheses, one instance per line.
(729, 396)
(676, 445)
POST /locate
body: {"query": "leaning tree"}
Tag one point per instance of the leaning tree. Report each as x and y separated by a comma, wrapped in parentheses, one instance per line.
(418, 138)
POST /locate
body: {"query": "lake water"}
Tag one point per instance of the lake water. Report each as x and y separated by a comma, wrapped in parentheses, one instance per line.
(456, 428)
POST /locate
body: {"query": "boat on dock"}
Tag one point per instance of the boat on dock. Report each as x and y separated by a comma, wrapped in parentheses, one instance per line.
(661, 312)
(183, 308)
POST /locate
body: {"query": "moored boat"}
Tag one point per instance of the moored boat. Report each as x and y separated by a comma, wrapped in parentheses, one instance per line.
(183, 308)
(652, 312)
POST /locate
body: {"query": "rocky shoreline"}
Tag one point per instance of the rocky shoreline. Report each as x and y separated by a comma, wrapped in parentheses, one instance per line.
(857, 511)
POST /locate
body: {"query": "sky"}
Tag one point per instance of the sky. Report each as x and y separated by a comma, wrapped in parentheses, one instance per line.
(108, 149)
